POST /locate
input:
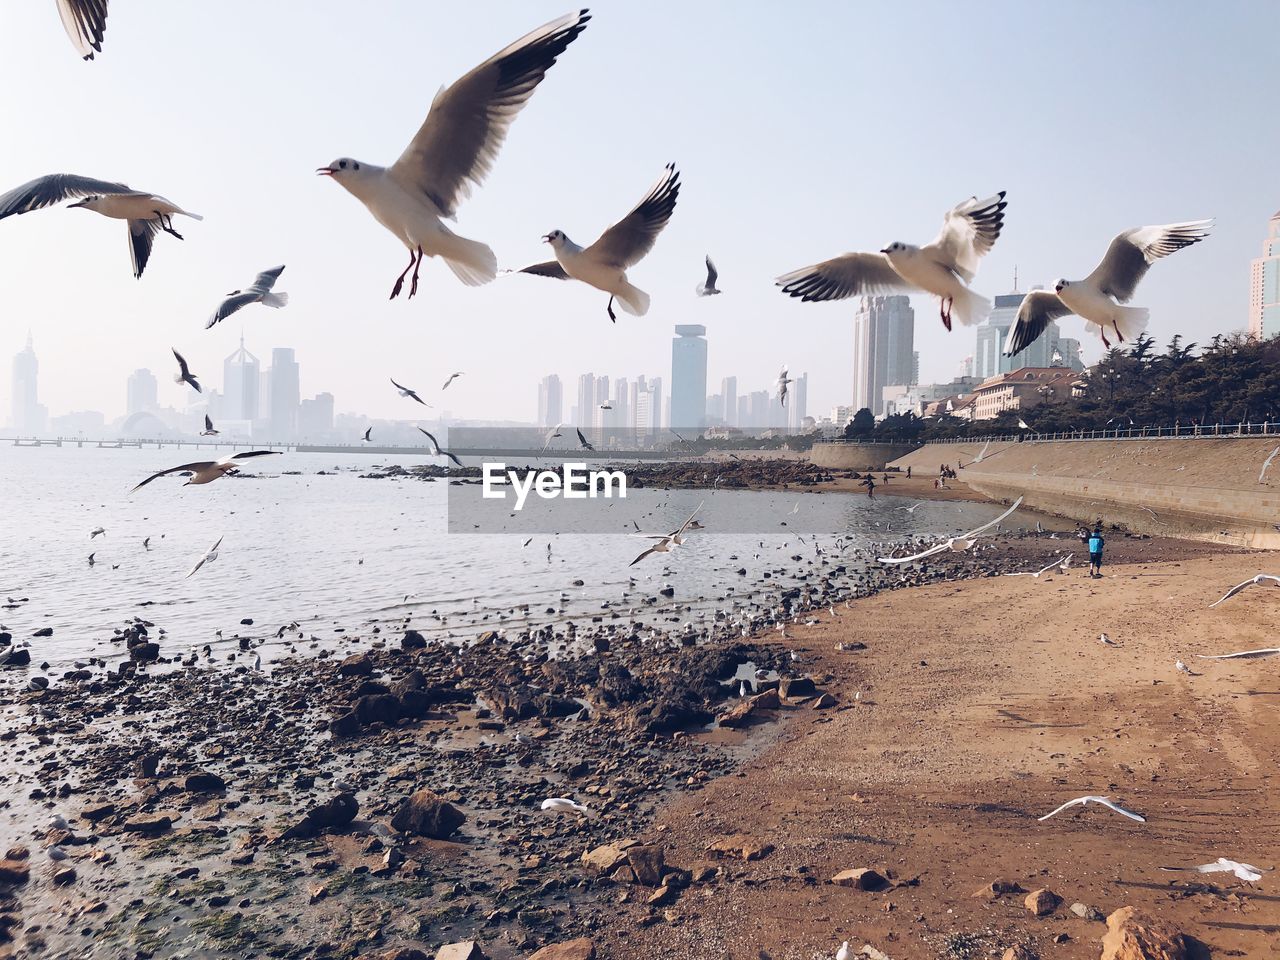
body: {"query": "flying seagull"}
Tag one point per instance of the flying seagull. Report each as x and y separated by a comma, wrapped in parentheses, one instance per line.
(1098, 297)
(436, 445)
(184, 374)
(146, 213)
(667, 542)
(1242, 871)
(1244, 654)
(257, 292)
(208, 430)
(1104, 801)
(406, 392)
(210, 555)
(206, 471)
(1266, 464)
(86, 23)
(914, 507)
(1060, 562)
(564, 805)
(783, 380)
(1259, 579)
(552, 434)
(958, 544)
(943, 267)
(708, 287)
(96, 531)
(367, 434)
(453, 152)
(604, 264)
(606, 405)
(583, 442)
(452, 377)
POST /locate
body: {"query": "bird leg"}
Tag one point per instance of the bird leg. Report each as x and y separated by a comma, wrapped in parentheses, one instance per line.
(395, 291)
(1105, 342)
(413, 287)
(945, 309)
(166, 224)
(609, 310)
(1119, 335)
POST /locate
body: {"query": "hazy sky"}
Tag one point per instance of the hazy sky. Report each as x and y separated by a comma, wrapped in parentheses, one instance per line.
(802, 130)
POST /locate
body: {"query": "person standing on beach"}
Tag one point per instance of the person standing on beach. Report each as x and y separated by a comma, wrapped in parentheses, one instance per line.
(908, 473)
(871, 486)
(1096, 543)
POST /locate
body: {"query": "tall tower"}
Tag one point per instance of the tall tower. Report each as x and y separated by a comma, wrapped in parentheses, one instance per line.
(1264, 285)
(688, 376)
(286, 394)
(550, 401)
(240, 382)
(883, 349)
(25, 411)
(141, 394)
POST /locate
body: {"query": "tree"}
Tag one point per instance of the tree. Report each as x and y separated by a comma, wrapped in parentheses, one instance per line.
(862, 426)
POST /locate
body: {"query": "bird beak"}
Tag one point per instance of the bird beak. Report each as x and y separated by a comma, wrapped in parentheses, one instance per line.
(325, 172)
(885, 251)
(546, 238)
(78, 203)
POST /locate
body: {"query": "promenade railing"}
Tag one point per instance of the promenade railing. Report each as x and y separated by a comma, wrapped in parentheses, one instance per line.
(1185, 431)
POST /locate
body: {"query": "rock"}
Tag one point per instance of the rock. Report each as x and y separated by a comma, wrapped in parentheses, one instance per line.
(1042, 902)
(862, 878)
(347, 725)
(13, 872)
(463, 950)
(768, 700)
(738, 715)
(356, 665)
(1019, 953)
(1132, 935)
(145, 652)
(335, 812)
(791, 687)
(662, 896)
(97, 812)
(149, 825)
(64, 876)
(412, 640)
(1086, 912)
(998, 888)
(377, 708)
(824, 702)
(603, 860)
(647, 862)
(396, 953)
(202, 781)
(427, 814)
(44, 632)
(740, 846)
(19, 658)
(580, 949)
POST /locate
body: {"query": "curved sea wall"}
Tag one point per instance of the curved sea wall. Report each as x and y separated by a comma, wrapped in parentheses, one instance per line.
(858, 456)
(1199, 488)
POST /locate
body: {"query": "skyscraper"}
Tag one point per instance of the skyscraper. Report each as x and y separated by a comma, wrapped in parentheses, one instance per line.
(729, 400)
(285, 394)
(1264, 285)
(25, 412)
(141, 395)
(883, 349)
(797, 400)
(550, 401)
(989, 358)
(240, 381)
(586, 399)
(315, 417)
(688, 376)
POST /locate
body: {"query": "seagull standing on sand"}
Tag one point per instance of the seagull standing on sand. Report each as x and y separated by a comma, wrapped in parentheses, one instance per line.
(184, 374)
(1098, 297)
(844, 953)
(564, 805)
(453, 152)
(406, 392)
(210, 555)
(1104, 801)
(257, 292)
(207, 471)
(1259, 579)
(146, 213)
(1242, 871)
(435, 444)
(452, 377)
(943, 267)
(783, 380)
(604, 264)
(708, 287)
(86, 23)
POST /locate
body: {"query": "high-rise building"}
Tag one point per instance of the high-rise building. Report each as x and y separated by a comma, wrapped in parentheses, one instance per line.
(1264, 285)
(646, 406)
(797, 400)
(26, 414)
(729, 397)
(586, 399)
(550, 401)
(743, 418)
(240, 385)
(714, 410)
(989, 358)
(141, 394)
(688, 376)
(883, 349)
(285, 394)
(315, 417)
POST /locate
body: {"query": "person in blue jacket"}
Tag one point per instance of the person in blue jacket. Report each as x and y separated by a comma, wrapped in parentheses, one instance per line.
(1096, 543)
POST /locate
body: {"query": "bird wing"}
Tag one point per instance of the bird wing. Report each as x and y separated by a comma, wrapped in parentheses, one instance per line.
(193, 467)
(457, 144)
(969, 231)
(936, 548)
(1248, 583)
(54, 188)
(1039, 308)
(1106, 802)
(182, 364)
(628, 240)
(228, 306)
(1243, 654)
(255, 453)
(653, 549)
(433, 440)
(712, 273)
(583, 440)
(86, 23)
(367, 432)
(1069, 803)
(848, 275)
(208, 423)
(685, 526)
(991, 523)
(199, 564)
(264, 281)
(550, 269)
(1131, 254)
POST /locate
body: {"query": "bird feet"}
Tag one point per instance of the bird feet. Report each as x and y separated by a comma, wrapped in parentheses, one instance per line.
(613, 317)
(413, 285)
(395, 291)
(945, 312)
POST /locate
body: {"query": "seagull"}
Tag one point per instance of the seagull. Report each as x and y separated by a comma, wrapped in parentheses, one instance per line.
(604, 264)
(452, 377)
(366, 437)
(1244, 654)
(436, 445)
(1263, 474)
(1182, 667)
(982, 453)
(1023, 425)
(452, 152)
(206, 471)
(1061, 561)
(1106, 641)
(146, 543)
(85, 22)
(406, 392)
(146, 213)
(1096, 299)
(957, 544)
(1243, 871)
(257, 292)
(1259, 579)
(708, 287)
(1104, 801)
(844, 953)
(783, 380)
(583, 443)
(91, 560)
(915, 506)
(208, 430)
(564, 805)
(210, 555)
(184, 374)
(97, 531)
(665, 544)
(943, 267)
(552, 434)
(606, 405)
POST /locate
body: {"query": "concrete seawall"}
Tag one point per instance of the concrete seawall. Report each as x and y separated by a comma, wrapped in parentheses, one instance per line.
(858, 456)
(1203, 489)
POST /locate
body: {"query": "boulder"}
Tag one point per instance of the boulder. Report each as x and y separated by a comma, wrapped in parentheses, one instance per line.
(427, 814)
(863, 878)
(768, 700)
(377, 708)
(149, 825)
(19, 658)
(97, 811)
(335, 812)
(580, 949)
(1042, 902)
(738, 715)
(648, 863)
(202, 781)
(145, 652)
(1132, 935)
(396, 953)
(1086, 912)
(741, 847)
(462, 950)
(1019, 952)
(412, 640)
(13, 872)
(824, 702)
(603, 860)
(998, 888)
(356, 665)
(794, 687)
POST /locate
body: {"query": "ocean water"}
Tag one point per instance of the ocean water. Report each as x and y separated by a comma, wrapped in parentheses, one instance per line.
(338, 552)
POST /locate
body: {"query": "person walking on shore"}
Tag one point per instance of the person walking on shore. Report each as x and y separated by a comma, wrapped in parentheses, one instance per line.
(870, 483)
(1096, 543)
(908, 473)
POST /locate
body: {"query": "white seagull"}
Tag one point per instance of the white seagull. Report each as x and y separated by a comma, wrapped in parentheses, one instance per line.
(436, 445)
(668, 542)
(552, 434)
(1060, 562)
(1098, 297)
(210, 555)
(86, 23)
(406, 392)
(452, 377)
(1242, 871)
(207, 471)
(96, 531)
(1263, 474)
(844, 953)
(146, 213)
(184, 374)
(958, 544)
(1104, 801)
(257, 292)
(453, 152)
(943, 267)
(564, 805)
(208, 430)
(783, 380)
(708, 287)
(368, 436)
(1259, 579)
(604, 264)
(1244, 654)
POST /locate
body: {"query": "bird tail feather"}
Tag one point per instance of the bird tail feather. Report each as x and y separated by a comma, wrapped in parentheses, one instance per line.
(970, 308)
(193, 216)
(471, 261)
(1129, 322)
(632, 299)
(275, 299)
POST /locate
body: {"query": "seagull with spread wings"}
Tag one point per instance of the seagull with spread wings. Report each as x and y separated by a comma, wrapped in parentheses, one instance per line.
(210, 555)
(454, 151)
(1102, 801)
(85, 22)
(783, 380)
(257, 292)
(944, 267)
(436, 445)
(146, 213)
(184, 374)
(208, 430)
(958, 544)
(207, 471)
(1037, 574)
(368, 436)
(406, 392)
(1259, 654)
(583, 442)
(665, 543)
(452, 377)
(708, 287)
(1098, 297)
(604, 264)
(551, 435)
(1259, 579)
(1242, 871)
